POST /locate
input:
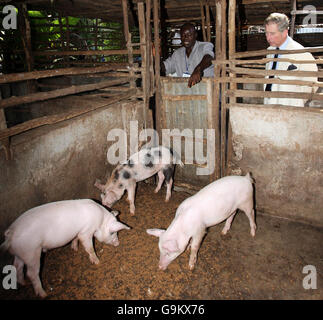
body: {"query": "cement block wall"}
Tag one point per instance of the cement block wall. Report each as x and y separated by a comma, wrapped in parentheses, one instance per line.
(60, 161)
(282, 147)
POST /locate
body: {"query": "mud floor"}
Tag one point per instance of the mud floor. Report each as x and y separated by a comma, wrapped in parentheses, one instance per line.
(234, 266)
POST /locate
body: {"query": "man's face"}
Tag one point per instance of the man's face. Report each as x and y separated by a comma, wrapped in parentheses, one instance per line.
(188, 37)
(274, 37)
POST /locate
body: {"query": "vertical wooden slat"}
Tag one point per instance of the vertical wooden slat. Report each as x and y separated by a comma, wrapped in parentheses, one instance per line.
(26, 36)
(150, 78)
(223, 87)
(68, 41)
(143, 51)
(157, 68)
(292, 28)
(4, 143)
(127, 35)
(208, 22)
(203, 20)
(96, 38)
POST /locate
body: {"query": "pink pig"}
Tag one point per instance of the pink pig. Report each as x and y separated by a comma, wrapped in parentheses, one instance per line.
(53, 225)
(215, 203)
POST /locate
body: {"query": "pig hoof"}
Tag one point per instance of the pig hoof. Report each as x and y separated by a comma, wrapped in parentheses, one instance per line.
(95, 260)
(132, 213)
(42, 294)
(191, 267)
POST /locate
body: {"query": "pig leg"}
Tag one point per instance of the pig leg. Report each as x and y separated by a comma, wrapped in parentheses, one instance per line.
(87, 243)
(131, 189)
(251, 216)
(227, 225)
(168, 173)
(195, 245)
(19, 265)
(33, 265)
(250, 213)
(161, 179)
(75, 244)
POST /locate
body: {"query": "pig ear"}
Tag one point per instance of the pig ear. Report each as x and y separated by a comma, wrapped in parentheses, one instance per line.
(155, 232)
(117, 226)
(171, 246)
(98, 185)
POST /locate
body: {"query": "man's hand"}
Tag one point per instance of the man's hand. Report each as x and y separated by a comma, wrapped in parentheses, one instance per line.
(196, 77)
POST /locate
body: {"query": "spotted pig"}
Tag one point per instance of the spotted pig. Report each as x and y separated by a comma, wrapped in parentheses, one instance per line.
(140, 166)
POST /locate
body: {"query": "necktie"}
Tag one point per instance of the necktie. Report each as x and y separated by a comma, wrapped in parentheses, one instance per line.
(268, 86)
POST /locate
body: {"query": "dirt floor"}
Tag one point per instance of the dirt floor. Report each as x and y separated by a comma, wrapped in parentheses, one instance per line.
(234, 266)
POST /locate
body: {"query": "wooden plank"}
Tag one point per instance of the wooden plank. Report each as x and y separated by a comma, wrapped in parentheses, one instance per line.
(275, 94)
(256, 53)
(127, 35)
(157, 66)
(35, 123)
(143, 49)
(184, 97)
(276, 107)
(208, 23)
(203, 20)
(271, 80)
(41, 96)
(275, 72)
(84, 52)
(13, 77)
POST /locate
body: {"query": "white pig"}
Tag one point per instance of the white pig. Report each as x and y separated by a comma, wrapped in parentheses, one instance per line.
(53, 225)
(213, 204)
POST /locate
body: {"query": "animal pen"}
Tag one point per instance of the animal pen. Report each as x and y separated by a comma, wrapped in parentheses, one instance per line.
(72, 72)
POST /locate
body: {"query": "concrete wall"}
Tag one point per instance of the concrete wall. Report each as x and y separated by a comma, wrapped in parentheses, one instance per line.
(60, 161)
(283, 149)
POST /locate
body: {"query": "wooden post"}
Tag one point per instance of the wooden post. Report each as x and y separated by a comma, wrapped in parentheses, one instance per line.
(26, 36)
(223, 86)
(149, 49)
(4, 143)
(157, 68)
(203, 20)
(292, 28)
(143, 49)
(208, 22)
(127, 35)
(68, 42)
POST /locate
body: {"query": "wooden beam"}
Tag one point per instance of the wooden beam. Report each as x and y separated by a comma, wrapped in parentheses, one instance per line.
(157, 67)
(35, 123)
(14, 77)
(274, 94)
(41, 96)
(258, 53)
(83, 52)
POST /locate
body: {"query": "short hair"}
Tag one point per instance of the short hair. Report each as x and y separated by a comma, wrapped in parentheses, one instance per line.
(187, 25)
(280, 19)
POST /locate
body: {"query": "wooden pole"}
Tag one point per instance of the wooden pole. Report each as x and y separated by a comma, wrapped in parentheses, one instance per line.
(157, 68)
(203, 20)
(41, 96)
(38, 122)
(292, 28)
(208, 22)
(143, 49)
(4, 142)
(127, 35)
(223, 87)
